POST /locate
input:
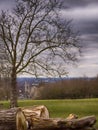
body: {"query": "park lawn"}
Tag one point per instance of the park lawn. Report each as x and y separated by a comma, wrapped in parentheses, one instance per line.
(62, 108)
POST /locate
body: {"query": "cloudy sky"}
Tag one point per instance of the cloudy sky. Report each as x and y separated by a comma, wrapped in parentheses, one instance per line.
(85, 19)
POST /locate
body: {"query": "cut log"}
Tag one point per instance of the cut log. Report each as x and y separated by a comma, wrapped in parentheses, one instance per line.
(10, 118)
(63, 124)
(21, 122)
(37, 118)
(36, 111)
(17, 118)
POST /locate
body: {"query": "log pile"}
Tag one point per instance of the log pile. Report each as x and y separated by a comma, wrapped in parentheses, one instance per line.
(37, 118)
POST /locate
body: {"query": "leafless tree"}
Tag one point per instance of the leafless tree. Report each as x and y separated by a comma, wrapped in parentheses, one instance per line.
(37, 40)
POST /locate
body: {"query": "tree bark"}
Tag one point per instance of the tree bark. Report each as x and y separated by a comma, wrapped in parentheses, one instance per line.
(8, 119)
(13, 119)
(13, 98)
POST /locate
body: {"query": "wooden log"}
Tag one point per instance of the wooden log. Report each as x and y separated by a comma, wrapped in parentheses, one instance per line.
(7, 119)
(17, 118)
(36, 111)
(21, 122)
(37, 118)
(12, 119)
(62, 124)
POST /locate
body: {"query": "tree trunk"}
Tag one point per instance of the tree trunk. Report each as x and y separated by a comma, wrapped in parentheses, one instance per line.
(37, 118)
(13, 96)
(85, 123)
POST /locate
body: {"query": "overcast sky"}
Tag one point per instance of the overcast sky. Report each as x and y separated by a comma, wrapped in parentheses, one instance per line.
(85, 19)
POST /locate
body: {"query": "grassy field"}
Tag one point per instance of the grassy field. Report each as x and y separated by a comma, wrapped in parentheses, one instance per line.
(62, 108)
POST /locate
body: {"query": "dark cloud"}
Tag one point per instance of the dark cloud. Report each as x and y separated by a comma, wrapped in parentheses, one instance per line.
(79, 3)
(85, 19)
(87, 27)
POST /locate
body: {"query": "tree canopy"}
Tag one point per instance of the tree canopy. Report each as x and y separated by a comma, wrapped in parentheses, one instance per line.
(37, 40)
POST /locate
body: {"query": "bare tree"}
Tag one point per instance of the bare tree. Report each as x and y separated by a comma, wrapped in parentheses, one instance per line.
(37, 40)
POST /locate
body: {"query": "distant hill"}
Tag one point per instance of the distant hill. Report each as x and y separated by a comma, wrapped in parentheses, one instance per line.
(37, 80)
(21, 80)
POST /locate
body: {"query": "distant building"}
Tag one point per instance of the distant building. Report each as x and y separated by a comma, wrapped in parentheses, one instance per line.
(31, 91)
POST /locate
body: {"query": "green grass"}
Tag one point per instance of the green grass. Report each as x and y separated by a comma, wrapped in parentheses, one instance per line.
(62, 108)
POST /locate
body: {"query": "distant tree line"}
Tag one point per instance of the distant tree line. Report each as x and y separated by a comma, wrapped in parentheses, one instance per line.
(70, 89)
(73, 88)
